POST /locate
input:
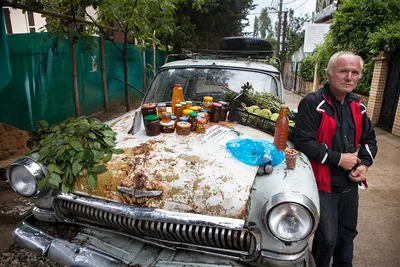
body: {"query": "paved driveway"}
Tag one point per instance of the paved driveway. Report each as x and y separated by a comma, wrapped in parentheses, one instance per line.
(378, 241)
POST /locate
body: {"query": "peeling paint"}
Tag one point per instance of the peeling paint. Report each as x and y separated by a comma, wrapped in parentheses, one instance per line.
(196, 174)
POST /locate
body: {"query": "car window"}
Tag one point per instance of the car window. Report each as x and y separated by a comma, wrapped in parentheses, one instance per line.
(215, 82)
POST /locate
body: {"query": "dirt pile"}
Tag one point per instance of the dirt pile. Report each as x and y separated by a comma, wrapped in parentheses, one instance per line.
(12, 143)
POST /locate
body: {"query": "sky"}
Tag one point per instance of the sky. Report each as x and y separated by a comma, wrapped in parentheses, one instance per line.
(300, 7)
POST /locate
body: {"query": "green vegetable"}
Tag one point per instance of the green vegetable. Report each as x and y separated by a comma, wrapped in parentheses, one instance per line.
(71, 148)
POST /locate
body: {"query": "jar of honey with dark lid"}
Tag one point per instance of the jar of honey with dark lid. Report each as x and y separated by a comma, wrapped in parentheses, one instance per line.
(152, 125)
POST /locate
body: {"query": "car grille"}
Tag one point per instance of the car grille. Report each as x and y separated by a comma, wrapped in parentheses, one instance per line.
(192, 235)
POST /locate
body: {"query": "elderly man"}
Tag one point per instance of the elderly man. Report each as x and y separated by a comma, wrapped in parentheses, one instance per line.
(335, 133)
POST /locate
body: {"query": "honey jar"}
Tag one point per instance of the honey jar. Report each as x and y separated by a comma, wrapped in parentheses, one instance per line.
(183, 128)
(166, 117)
(189, 104)
(207, 103)
(168, 127)
(152, 125)
(161, 107)
(201, 126)
(149, 109)
(186, 112)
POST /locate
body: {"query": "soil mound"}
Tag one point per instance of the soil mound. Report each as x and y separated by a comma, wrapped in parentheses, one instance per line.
(12, 143)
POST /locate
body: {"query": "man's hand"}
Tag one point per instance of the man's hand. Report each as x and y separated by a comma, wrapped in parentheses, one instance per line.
(359, 174)
(349, 160)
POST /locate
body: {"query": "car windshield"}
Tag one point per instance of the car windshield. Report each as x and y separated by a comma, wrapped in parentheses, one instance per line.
(215, 82)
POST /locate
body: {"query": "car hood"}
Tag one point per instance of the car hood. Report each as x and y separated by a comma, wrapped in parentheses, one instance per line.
(195, 173)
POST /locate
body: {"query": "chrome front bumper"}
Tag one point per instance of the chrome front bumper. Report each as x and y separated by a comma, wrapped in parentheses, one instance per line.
(59, 250)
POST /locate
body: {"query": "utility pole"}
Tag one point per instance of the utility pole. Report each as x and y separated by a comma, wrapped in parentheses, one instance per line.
(283, 41)
(278, 43)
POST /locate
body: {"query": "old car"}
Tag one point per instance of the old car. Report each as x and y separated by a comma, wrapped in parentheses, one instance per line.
(187, 200)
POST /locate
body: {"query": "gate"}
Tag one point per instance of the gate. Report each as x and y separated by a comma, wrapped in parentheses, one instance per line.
(391, 93)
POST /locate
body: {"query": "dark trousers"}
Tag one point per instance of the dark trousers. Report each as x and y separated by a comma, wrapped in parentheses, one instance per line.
(337, 228)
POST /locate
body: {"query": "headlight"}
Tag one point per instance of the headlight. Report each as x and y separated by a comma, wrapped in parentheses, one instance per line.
(290, 222)
(290, 216)
(24, 176)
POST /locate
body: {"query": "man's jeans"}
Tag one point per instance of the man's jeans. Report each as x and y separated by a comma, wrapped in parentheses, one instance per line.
(337, 228)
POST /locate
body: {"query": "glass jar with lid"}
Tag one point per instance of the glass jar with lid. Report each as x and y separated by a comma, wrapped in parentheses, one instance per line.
(201, 126)
(207, 103)
(224, 110)
(196, 108)
(166, 117)
(215, 112)
(168, 127)
(149, 109)
(178, 110)
(192, 120)
(186, 112)
(189, 104)
(152, 125)
(183, 128)
(206, 114)
(161, 107)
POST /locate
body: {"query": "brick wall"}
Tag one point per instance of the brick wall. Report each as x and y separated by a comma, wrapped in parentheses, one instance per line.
(396, 124)
(377, 87)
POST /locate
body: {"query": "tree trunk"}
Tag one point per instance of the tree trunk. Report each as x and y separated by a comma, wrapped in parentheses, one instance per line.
(127, 97)
(74, 75)
(104, 75)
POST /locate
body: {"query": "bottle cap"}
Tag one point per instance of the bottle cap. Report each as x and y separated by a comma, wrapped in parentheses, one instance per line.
(167, 123)
(217, 105)
(208, 98)
(184, 124)
(161, 105)
(150, 117)
(177, 85)
(149, 105)
(178, 105)
(223, 103)
(183, 119)
(193, 114)
(189, 102)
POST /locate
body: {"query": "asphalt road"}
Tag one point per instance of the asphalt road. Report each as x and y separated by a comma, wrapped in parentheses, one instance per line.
(378, 240)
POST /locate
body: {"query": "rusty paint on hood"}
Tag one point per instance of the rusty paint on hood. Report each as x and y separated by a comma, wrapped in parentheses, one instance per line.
(196, 173)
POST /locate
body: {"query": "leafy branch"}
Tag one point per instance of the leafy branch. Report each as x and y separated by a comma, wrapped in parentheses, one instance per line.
(74, 147)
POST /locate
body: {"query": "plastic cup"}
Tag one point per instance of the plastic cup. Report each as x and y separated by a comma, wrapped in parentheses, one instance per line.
(290, 156)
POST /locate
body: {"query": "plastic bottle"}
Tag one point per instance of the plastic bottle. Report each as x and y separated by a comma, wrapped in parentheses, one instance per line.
(177, 96)
(281, 128)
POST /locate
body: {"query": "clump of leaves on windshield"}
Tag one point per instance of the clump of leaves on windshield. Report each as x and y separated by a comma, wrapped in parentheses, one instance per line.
(74, 147)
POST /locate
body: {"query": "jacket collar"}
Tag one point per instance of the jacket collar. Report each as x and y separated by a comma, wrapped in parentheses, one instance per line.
(326, 90)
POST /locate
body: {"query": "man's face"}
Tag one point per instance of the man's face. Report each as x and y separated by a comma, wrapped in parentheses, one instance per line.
(344, 75)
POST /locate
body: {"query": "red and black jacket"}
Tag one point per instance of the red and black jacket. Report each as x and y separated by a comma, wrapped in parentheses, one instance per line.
(315, 129)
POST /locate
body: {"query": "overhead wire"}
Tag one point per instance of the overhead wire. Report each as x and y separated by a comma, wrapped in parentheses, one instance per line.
(301, 5)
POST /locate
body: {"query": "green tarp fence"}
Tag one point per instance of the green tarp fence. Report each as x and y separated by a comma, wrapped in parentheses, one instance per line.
(42, 86)
(5, 68)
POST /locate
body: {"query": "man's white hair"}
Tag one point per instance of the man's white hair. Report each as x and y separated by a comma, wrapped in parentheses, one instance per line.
(332, 60)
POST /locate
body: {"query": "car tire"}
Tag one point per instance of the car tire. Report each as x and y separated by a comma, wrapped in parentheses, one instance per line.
(247, 44)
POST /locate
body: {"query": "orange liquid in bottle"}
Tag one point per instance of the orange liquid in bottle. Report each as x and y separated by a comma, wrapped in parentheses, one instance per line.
(281, 128)
(177, 96)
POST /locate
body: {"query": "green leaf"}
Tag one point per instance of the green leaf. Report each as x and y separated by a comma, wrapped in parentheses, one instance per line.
(68, 177)
(54, 180)
(60, 152)
(77, 146)
(44, 123)
(117, 150)
(76, 168)
(65, 188)
(92, 180)
(98, 155)
(107, 158)
(43, 183)
(55, 168)
(92, 135)
(97, 145)
(99, 169)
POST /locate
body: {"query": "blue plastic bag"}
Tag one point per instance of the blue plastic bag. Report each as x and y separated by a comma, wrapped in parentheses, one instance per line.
(255, 152)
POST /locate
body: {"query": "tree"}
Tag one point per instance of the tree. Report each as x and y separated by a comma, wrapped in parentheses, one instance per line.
(134, 18)
(295, 34)
(265, 24)
(206, 27)
(256, 26)
(364, 27)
